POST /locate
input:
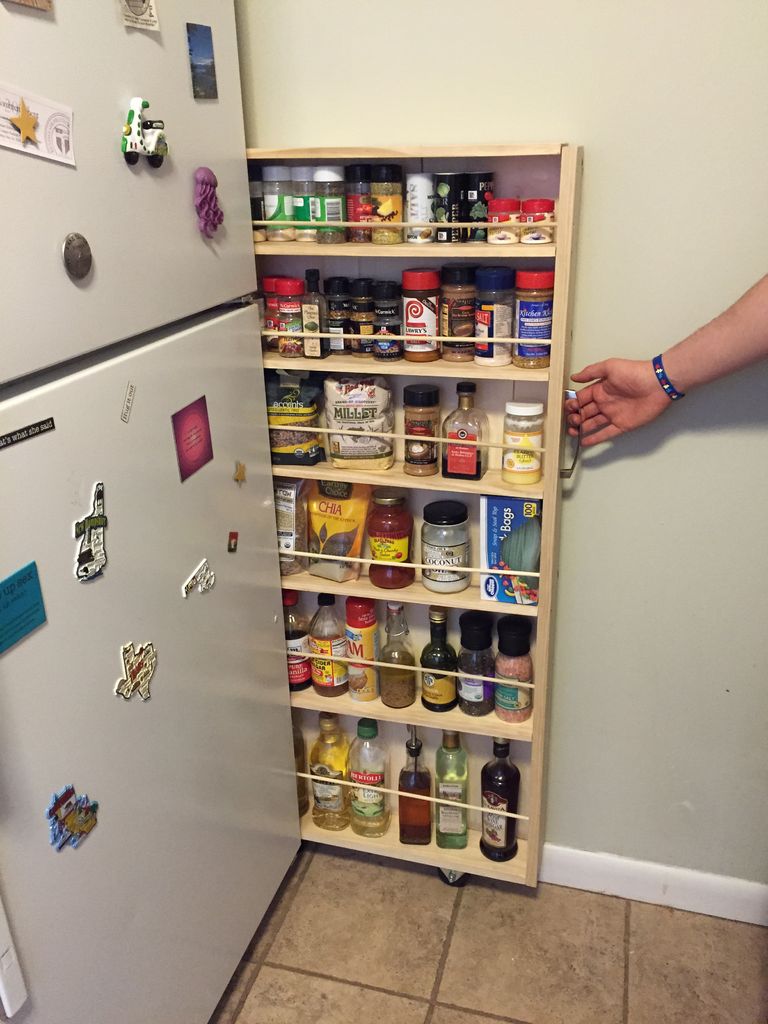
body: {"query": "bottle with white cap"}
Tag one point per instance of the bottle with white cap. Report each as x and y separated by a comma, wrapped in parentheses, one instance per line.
(330, 203)
(304, 202)
(523, 432)
(278, 201)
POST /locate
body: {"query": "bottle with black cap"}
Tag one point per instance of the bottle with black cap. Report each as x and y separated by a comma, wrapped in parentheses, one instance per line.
(500, 790)
(476, 698)
(387, 320)
(463, 461)
(415, 816)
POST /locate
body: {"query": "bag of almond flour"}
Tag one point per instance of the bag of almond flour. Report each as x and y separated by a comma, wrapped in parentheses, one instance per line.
(360, 404)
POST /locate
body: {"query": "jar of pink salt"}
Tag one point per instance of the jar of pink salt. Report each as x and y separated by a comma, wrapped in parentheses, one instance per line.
(513, 666)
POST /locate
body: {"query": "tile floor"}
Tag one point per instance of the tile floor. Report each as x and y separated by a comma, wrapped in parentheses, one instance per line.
(352, 938)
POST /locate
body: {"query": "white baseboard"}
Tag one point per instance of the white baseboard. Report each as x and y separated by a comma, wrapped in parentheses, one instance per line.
(648, 882)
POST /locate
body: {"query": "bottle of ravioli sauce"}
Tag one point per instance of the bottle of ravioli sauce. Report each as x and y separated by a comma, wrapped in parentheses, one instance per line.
(421, 298)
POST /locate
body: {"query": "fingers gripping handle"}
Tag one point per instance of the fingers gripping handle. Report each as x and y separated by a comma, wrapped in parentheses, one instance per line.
(566, 471)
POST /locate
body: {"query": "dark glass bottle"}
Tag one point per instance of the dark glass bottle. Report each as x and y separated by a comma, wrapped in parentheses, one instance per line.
(476, 658)
(415, 815)
(438, 691)
(499, 789)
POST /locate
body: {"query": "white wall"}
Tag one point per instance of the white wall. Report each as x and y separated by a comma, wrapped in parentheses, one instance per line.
(660, 692)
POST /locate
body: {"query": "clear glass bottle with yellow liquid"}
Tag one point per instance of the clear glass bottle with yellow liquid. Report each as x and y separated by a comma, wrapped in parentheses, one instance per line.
(329, 760)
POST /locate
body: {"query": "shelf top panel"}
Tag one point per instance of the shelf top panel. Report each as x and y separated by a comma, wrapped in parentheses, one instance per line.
(406, 152)
(435, 251)
(404, 368)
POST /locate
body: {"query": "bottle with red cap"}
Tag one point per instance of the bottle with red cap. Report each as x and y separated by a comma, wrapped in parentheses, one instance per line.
(533, 318)
(270, 309)
(421, 299)
(363, 642)
(297, 643)
(289, 322)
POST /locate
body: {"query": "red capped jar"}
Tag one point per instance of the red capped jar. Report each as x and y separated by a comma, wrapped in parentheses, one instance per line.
(421, 299)
(503, 212)
(289, 322)
(390, 536)
(537, 220)
(270, 309)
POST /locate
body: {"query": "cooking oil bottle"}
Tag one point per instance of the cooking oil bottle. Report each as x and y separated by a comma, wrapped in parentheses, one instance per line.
(329, 760)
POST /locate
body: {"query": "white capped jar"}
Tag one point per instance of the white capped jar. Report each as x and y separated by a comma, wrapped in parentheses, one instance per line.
(278, 201)
(523, 432)
(445, 545)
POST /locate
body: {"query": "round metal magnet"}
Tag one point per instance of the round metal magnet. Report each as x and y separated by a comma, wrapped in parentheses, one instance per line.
(77, 256)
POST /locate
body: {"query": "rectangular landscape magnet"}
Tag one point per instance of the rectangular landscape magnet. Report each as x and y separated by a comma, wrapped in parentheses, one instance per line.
(192, 436)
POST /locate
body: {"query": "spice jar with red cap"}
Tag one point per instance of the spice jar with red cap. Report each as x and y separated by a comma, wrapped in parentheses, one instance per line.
(503, 213)
(289, 291)
(533, 318)
(537, 221)
(421, 298)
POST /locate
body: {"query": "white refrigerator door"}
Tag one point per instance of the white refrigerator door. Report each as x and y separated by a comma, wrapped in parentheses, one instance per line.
(197, 819)
(151, 265)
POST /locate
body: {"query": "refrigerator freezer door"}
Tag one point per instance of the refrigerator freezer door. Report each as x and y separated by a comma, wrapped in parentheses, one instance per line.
(197, 819)
(151, 266)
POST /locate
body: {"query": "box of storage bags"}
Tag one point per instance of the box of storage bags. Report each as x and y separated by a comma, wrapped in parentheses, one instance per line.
(510, 539)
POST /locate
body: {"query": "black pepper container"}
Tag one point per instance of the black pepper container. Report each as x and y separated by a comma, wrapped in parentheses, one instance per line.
(338, 301)
(361, 315)
(388, 320)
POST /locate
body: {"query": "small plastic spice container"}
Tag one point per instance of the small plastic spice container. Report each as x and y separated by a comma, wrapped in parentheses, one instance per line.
(523, 431)
(421, 298)
(387, 321)
(361, 316)
(330, 204)
(536, 219)
(422, 417)
(278, 201)
(387, 201)
(270, 310)
(338, 302)
(445, 547)
(359, 203)
(503, 212)
(289, 292)
(390, 536)
(513, 665)
(533, 318)
(304, 202)
(457, 312)
(256, 191)
(494, 312)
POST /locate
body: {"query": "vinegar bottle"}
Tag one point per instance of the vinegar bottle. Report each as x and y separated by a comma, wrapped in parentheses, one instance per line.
(499, 789)
(327, 636)
(415, 815)
(451, 784)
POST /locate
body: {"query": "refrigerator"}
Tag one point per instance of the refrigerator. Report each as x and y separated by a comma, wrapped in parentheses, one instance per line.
(147, 796)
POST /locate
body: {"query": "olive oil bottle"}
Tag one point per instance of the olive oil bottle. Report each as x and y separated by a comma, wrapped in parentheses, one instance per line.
(329, 760)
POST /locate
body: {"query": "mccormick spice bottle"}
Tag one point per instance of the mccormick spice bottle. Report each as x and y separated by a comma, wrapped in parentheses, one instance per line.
(421, 297)
(457, 312)
(338, 303)
(387, 201)
(422, 418)
(289, 322)
(359, 201)
(361, 315)
(387, 320)
(390, 536)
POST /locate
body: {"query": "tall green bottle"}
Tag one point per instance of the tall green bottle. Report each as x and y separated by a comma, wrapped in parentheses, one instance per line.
(451, 775)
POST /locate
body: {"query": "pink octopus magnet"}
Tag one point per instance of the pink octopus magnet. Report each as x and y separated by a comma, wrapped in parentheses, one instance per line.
(209, 213)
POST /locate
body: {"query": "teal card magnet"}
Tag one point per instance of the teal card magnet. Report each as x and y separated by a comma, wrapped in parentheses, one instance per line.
(92, 554)
(21, 606)
(71, 818)
(138, 669)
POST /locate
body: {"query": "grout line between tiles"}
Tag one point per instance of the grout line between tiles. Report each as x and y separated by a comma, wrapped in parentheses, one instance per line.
(324, 976)
(285, 904)
(445, 950)
(627, 916)
(481, 1014)
(246, 988)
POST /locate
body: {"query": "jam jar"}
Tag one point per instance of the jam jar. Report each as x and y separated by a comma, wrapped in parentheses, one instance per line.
(390, 535)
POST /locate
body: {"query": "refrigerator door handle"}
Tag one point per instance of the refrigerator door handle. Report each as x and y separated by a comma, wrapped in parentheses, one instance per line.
(13, 991)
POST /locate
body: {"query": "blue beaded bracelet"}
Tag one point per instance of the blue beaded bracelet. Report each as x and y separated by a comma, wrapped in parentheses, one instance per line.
(663, 379)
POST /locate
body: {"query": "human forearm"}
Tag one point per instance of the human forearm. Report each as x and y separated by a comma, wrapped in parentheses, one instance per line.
(733, 340)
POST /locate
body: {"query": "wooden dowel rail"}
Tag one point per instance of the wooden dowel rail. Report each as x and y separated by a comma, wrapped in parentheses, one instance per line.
(368, 225)
(397, 437)
(269, 332)
(434, 567)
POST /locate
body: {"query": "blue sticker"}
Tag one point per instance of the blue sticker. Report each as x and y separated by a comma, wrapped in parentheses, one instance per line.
(71, 818)
(21, 606)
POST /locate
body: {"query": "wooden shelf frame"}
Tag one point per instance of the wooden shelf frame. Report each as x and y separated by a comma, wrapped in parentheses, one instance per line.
(524, 868)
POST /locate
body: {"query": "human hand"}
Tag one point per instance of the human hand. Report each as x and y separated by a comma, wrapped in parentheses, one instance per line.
(624, 394)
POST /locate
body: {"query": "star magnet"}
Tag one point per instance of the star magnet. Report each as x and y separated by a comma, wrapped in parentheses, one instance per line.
(138, 669)
(26, 122)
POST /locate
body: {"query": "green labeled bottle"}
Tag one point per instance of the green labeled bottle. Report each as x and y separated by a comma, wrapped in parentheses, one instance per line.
(451, 776)
(438, 691)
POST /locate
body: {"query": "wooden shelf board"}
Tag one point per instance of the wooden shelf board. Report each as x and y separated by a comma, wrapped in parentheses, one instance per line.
(406, 152)
(469, 860)
(416, 714)
(491, 483)
(416, 593)
(435, 252)
(404, 368)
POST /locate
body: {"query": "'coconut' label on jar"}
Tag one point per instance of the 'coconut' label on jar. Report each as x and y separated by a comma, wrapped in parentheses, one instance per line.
(447, 558)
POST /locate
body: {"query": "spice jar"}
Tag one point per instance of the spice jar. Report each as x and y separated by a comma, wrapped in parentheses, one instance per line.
(450, 194)
(478, 192)
(359, 203)
(304, 202)
(387, 320)
(421, 296)
(278, 202)
(337, 298)
(289, 292)
(445, 545)
(457, 312)
(533, 318)
(256, 191)
(361, 316)
(390, 536)
(422, 418)
(476, 697)
(524, 429)
(513, 665)
(330, 203)
(387, 201)
(419, 196)
(270, 310)
(494, 310)
(537, 219)
(504, 213)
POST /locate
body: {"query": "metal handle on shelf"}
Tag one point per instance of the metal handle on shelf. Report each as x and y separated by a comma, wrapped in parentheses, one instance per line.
(566, 472)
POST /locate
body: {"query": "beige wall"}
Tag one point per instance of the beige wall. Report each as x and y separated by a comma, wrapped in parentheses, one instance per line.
(659, 713)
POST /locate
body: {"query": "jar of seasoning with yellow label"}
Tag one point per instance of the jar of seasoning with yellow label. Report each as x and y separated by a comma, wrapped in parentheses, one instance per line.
(387, 202)
(533, 318)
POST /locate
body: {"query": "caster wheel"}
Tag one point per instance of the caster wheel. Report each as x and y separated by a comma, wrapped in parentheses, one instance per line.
(456, 879)
(155, 161)
(131, 158)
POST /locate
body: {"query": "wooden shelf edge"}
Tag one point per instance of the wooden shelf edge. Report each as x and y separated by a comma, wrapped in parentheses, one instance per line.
(416, 714)
(404, 368)
(469, 860)
(406, 152)
(435, 252)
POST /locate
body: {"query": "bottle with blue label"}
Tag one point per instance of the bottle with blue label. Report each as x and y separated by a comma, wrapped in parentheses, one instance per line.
(533, 318)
